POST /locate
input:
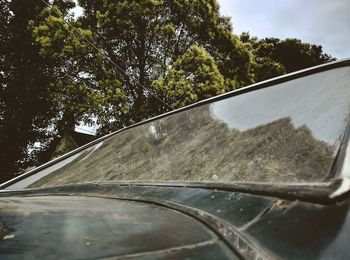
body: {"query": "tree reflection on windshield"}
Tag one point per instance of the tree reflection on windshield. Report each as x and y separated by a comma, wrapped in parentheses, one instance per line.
(267, 135)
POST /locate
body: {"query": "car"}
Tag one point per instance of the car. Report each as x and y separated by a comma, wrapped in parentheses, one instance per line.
(261, 172)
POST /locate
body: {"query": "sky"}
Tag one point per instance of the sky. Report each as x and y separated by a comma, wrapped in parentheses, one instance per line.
(321, 22)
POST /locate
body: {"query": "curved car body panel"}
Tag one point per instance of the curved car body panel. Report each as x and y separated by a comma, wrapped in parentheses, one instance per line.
(157, 222)
(85, 227)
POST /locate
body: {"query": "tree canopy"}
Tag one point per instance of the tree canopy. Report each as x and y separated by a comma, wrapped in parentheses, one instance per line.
(26, 108)
(273, 56)
(192, 77)
(119, 63)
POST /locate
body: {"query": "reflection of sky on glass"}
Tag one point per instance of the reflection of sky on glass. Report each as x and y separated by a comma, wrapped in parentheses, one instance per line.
(319, 101)
(346, 165)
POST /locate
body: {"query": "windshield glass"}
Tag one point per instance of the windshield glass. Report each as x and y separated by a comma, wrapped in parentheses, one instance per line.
(290, 132)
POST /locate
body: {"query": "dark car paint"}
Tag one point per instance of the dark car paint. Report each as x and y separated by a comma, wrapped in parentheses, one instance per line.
(83, 227)
(252, 226)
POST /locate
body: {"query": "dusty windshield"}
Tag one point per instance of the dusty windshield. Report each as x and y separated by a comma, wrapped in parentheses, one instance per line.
(290, 132)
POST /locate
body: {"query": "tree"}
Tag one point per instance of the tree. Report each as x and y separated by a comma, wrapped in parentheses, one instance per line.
(63, 80)
(120, 63)
(83, 87)
(26, 108)
(144, 37)
(274, 56)
(192, 77)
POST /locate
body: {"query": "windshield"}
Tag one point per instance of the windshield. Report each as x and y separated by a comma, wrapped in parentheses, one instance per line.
(290, 132)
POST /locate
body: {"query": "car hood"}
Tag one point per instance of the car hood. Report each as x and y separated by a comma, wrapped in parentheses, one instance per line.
(156, 222)
(92, 227)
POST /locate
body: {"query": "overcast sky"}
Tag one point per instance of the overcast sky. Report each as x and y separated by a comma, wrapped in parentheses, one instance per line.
(322, 22)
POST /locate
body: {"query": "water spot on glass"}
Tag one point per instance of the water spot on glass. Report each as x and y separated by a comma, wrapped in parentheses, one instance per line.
(9, 236)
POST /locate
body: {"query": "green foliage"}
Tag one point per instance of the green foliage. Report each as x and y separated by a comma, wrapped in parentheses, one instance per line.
(192, 77)
(145, 37)
(82, 85)
(274, 57)
(183, 51)
(25, 99)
